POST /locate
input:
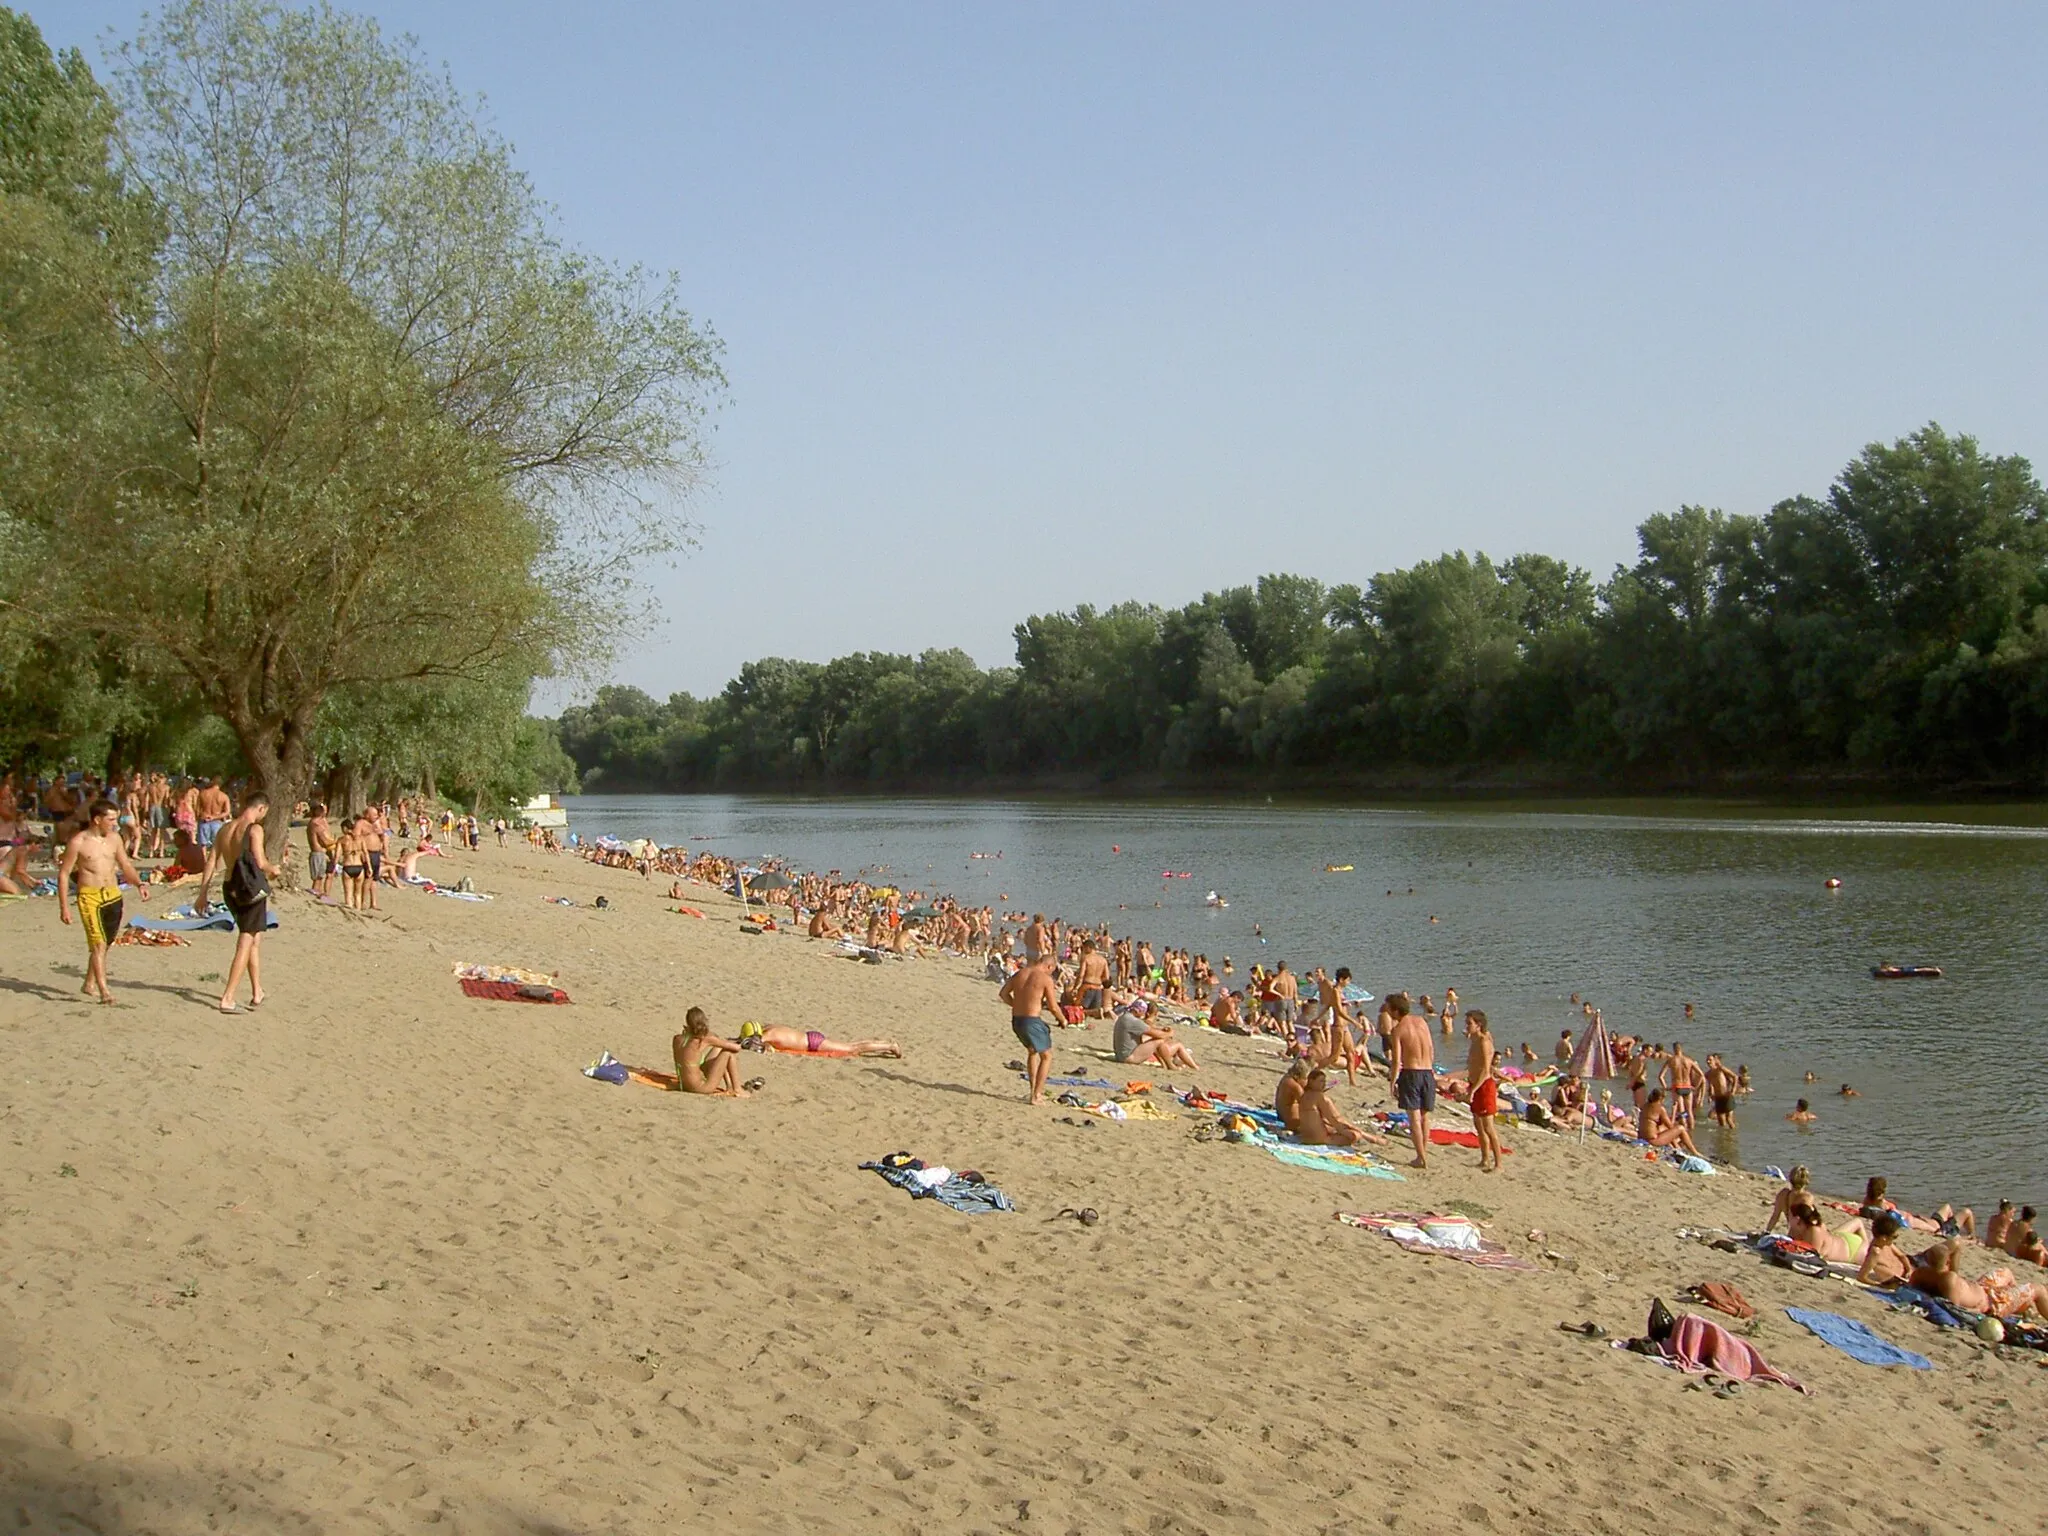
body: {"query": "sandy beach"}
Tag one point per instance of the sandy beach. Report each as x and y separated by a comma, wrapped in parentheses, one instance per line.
(380, 1258)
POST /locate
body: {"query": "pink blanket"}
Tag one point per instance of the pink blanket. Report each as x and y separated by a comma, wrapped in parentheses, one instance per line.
(1698, 1345)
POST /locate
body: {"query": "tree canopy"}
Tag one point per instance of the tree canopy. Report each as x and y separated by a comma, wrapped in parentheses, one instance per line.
(310, 411)
(1894, 630)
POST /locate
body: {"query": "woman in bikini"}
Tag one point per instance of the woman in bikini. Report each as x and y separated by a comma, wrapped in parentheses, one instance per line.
(705, 1063)
(810, 1042)
(1803, 1225)
(1794, 1193)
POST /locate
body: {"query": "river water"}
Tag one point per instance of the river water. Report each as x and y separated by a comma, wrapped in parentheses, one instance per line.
(1639, 907)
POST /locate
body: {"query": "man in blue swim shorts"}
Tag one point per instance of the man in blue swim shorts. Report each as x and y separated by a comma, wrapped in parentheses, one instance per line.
(1029, 993)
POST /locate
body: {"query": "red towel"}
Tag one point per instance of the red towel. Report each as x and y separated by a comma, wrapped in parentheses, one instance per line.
(511, 991)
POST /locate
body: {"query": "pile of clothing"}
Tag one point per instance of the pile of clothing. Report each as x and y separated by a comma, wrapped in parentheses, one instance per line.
(966, 1191)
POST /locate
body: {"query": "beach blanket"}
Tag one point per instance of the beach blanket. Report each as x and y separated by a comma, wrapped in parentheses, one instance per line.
(968, 1192)
(1855, 1339)
(181, 920)
(1078, 1082)
(149, 939)
(1329, 1159)
(1445, 1236)
(508, 984)
(1698, 1345)
(609, 1069)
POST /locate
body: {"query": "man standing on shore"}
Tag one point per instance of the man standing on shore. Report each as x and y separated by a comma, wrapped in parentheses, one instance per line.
(1411, 1060)
(1037, 940)
(1721, 1089)
(1029, 993)
(213, 809)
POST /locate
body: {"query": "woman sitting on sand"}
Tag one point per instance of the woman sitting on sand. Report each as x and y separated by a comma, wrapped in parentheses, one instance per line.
(705, 1063)
(809, 1042)
(1794, 1193)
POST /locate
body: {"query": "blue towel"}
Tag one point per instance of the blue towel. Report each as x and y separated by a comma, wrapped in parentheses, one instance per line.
(1855, 1339)
(1305, 1157)
(219, 918)
(1081, 1082)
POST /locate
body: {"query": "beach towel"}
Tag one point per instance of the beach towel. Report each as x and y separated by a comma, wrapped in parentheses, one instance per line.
(1698, 1345)
(510, 991)
(182, 921)
(968, 1192)
(1077, 1082)
(1855, 1339)
(151, 940)
(1330, 1160)
(1442, 1235)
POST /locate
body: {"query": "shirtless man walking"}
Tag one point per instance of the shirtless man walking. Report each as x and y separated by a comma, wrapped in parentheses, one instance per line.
(1029, 993)
(1485, 1098)
(1411, 1060)
(94, 862)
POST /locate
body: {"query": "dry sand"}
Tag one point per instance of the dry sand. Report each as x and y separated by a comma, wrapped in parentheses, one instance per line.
(379, 1258)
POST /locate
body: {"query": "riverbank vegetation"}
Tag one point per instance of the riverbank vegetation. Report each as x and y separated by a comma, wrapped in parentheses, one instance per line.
(1893, 630)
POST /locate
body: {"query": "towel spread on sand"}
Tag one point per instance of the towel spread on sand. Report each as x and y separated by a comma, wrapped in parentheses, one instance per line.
(1079, 1082)
(508, 984)
(1329, 1159)
(1855, 1339)
(1446, 1236)
(181, 920)
(959, 1191)
(1698, 1345)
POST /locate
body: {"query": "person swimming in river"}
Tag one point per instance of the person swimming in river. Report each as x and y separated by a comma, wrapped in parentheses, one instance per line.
(1802, 1114)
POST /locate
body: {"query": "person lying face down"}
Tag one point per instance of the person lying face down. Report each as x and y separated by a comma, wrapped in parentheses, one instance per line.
(809, 1042)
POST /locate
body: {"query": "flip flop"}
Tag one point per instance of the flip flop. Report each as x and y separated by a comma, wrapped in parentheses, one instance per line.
(231, 1008)
(755, 1084)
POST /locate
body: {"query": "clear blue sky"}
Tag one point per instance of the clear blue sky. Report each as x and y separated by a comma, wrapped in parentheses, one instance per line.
(1028, 305)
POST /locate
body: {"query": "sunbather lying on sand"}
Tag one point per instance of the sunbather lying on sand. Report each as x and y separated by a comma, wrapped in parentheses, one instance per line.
(1318, 1123)
(1803, 1224)
(705, 1063)
(810, 1042)
(1997, 1295)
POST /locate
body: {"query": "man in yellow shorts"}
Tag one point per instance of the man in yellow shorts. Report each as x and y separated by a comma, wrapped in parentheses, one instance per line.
(94, 862)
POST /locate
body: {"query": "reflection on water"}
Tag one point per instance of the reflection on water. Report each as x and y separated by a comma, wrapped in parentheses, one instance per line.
(1642, 909)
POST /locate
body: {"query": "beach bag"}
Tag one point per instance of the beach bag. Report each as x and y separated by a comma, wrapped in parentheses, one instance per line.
(1661, 1322)
(606, 1069)
(1072, 1013)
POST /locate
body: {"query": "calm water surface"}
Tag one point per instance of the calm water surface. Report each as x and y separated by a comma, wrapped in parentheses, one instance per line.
(1641, 909)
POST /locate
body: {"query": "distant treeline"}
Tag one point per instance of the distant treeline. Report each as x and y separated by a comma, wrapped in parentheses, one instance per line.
(1894, 631)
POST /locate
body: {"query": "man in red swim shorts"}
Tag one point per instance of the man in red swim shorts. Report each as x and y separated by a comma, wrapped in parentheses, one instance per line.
(1485, 1103)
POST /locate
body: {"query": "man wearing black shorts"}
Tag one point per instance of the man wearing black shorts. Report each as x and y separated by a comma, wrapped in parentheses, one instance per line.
(1411, 1056)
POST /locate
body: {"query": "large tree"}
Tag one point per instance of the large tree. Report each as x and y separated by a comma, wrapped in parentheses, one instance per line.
(382, 426)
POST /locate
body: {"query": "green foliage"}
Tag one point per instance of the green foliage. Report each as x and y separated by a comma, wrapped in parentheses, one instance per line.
(1897, 628)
